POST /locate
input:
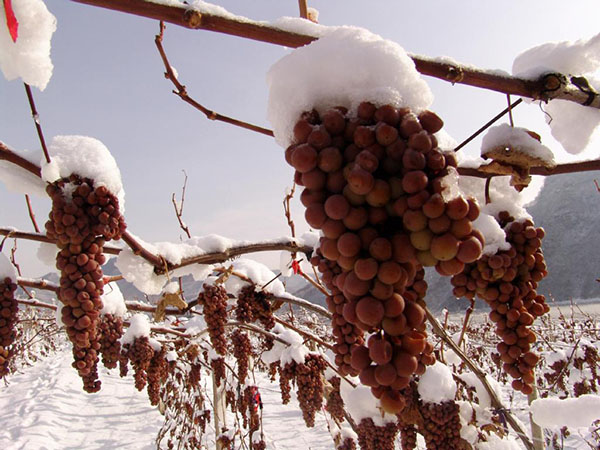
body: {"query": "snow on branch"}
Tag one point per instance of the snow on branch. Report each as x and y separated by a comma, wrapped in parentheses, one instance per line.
(547, 87)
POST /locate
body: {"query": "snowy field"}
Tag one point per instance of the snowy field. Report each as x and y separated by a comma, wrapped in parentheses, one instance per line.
(44, 408)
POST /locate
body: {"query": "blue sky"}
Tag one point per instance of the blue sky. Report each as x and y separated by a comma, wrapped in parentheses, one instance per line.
(108, 83)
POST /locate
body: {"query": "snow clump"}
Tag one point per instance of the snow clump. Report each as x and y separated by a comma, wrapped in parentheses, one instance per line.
(572, 125)
(20, 180)
(139, 326)
(113, 301)
(7, 270)
(436, 385)
(346, 66)
(516, 138)
(28, 57)
(86, 157)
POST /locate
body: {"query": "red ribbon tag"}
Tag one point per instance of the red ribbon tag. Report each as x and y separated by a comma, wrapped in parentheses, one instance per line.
(11, 20)
(296, 267)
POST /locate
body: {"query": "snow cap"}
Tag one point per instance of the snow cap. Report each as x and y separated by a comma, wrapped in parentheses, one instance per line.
(7, 270)
(28, 57)
(86, 157)
(436, 385)
(346, 66)
(139, 327)
(113, 301)
(572, 125)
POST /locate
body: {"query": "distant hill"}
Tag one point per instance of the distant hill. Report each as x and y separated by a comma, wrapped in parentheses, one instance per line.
(568, 208)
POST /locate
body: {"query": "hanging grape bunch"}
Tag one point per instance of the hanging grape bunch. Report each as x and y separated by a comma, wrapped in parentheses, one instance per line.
(214, 307)
(140, 354)
(82, 218)
(111, 331)
(8, 319)
(507, 281)
(441, 425)
(157, 374)
(385, 197)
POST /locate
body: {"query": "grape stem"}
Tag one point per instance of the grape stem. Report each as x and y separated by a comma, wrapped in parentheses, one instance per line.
(181, 92)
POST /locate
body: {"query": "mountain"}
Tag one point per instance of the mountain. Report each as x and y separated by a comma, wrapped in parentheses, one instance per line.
(568, 208)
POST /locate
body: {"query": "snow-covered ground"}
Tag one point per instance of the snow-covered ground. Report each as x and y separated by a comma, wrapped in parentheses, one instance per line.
(45, 408)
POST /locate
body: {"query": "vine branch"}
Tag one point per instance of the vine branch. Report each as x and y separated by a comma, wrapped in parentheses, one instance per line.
(181, 92)
(547, 87)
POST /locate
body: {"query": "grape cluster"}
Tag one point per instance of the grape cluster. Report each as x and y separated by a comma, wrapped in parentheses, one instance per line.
(373, 437)
(286, 377)
(259, 445)
(255, 305)
(347, 444)
(335, 403)
(214, 302)
(385, 197)
(8, 319)
(82, 218)
(441, 425)
(156, 375)
(218, 367)
(111, 331)
(249, 411)
(408, 437)
(507, 281)
(242, 348)
(309, 381)
(140, 354)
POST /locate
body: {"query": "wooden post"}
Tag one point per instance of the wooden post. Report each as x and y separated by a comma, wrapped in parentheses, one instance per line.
(218, 410)
(537, 433)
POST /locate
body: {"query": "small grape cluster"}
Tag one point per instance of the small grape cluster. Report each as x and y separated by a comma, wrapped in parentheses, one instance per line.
(156, 375)
(111, 331)
(140, 354)
(255, 305)
(441, 425)
(286, 377)
(250, 410)
(259, 445)
(507, 281)
(309, 382)
(385, 197)
(242, 349)
(373, 437)
(335, 403)
(347, 444)
(82, 218)
(214, 302)
(9, 309)
(408, 437)
(218, 367)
